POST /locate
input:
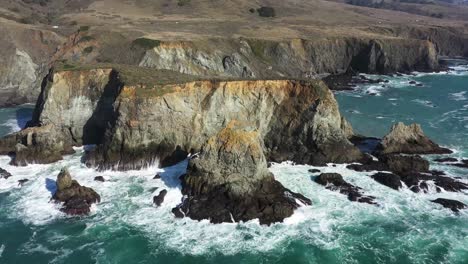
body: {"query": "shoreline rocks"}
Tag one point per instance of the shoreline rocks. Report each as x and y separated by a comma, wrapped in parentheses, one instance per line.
(76, 199)
(409, 140)
(453, 205)
(335, 182)
(159, 199)
(4, 174)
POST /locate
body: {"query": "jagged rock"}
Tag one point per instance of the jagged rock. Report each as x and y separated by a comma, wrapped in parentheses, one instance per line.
(76, 199)
(409, 140)
(159, 199)
(335, 182)
(157, 176)
(230, 182)
(453, 205)
(99, 178)
(388, 179)
(4, 174)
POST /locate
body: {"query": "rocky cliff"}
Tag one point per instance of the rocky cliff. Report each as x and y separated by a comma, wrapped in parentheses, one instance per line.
(161, 119)
(295, 58)
(24, 57)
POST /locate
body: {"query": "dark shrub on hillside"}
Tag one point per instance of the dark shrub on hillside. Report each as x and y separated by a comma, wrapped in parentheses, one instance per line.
(266, 11)
(146, 43)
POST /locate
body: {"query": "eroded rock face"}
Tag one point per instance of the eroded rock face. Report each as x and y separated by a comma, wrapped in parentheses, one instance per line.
(230, 182)
(76, 199)
(297, 121)
(410, 140)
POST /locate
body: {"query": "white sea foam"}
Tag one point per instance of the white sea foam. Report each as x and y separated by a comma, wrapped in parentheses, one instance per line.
(424, 103)
(127, 198)
(460, 96)
(2, 248)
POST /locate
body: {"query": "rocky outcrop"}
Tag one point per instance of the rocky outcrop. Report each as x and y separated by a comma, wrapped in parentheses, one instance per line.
(388, 179)
(230, 182)
(409, 140)
(41, 145)
(76, 199)
(453, 205)
(159, 199)
(298, 121)
(335, 182)
(4, 174)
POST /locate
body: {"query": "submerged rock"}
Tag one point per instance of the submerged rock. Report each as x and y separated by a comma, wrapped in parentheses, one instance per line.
(409, 140)
(230, 182)
(159, 199)
(453, 205)
(4, 174)
(76, 199)
(335, 182)
(99, 179)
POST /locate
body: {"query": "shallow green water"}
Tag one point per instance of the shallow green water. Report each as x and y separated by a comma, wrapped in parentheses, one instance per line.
(126, 228)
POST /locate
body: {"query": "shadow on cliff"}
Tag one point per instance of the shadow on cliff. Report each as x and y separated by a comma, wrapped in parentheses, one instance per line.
(51, 185)
(104, 115)
(23, 116)
(171, 175)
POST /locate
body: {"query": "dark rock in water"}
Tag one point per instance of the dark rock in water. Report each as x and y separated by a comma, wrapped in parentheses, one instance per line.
(22, 182)
(388, 179)
(314, 171)
(418, 181)
(409, 140)
(403, 164)
(99, 178)
(159, 199)
(453, 205)
(4, 174)
(419, 85)
(463, 164)
(335, 182)
(412, 82)
(177, 212)
(157, 176)
(443, 160)
(230, 182)
(76, 199)
(392, 162)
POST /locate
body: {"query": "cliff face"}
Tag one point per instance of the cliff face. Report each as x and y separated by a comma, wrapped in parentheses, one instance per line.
(135, 125)
(24, 57)
(296, 58)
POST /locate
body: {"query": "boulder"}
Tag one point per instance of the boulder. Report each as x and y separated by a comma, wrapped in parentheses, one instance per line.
(4, 174)
(314, 170)
(159, 199)
(99, 179)
(402, 164)
(409, 140)
(388, 179)
(76, 199)
(335, 182)
(453, 205)
(22, 182)
(230, 182)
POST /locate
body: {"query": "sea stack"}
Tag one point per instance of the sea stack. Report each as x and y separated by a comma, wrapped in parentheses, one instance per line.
(409, 140)
(230, 182)
(76, 199)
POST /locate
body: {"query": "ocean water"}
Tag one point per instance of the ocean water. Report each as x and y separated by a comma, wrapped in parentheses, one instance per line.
(125, 227)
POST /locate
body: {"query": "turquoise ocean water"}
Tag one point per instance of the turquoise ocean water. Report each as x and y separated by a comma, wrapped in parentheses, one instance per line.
(126, 228)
